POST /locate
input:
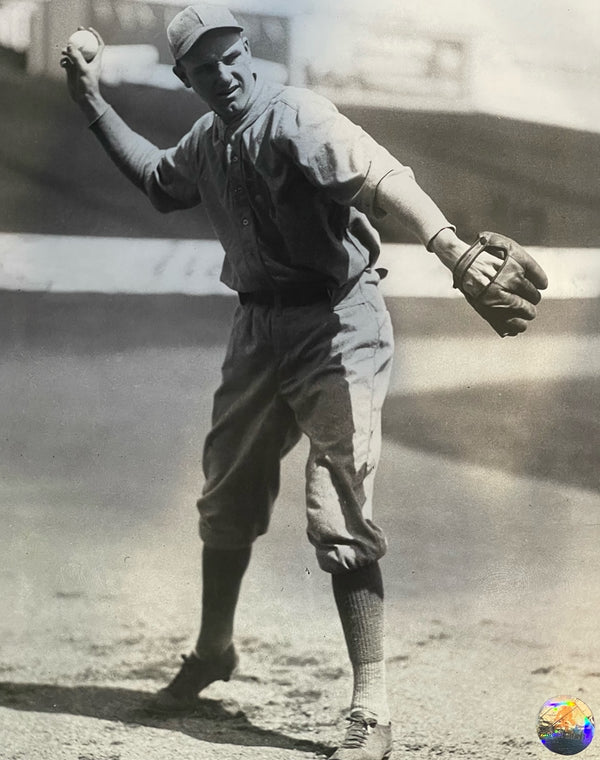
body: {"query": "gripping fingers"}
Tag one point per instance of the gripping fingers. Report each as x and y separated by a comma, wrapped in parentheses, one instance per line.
(534, 272)
(508, 302)
(67, 57)
(507, 313)
(71, 56)
(519, 284)
(513, 279)
(514, 327)
(524, 309)
(97, 35)
(482, 271)
(528, 291)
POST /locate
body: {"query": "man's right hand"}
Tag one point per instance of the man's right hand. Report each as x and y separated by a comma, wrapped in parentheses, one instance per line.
(83, 78)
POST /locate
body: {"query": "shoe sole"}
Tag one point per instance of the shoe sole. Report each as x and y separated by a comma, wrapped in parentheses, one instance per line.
(383, 757)
(154, 707)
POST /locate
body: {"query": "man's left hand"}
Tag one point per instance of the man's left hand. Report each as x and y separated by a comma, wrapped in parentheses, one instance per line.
(501, 281)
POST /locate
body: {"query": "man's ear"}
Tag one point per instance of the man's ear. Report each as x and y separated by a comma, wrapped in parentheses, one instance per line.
(248, 52)
(179, 72)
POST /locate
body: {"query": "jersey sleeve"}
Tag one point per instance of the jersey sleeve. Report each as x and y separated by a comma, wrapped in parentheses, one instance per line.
(173, 182)
(354, 169)
(334, 153)
(168, 177)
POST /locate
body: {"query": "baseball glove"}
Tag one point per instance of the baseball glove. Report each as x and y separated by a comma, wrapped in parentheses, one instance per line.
(507, 302)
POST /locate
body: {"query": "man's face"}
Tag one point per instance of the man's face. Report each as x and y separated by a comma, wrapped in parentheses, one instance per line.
(219, 69)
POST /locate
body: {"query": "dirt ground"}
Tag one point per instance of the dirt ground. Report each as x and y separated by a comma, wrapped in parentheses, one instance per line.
(492, 577)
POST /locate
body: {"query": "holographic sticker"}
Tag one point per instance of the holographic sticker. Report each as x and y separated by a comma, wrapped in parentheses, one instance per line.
(565, 725)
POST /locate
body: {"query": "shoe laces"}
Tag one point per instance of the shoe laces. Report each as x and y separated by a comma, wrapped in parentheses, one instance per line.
(358, 731)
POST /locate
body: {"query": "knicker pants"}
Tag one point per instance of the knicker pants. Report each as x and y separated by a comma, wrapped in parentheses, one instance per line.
(321, 370)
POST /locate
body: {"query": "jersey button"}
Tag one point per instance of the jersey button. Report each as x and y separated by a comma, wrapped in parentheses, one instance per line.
(245, 222)
(234, 159)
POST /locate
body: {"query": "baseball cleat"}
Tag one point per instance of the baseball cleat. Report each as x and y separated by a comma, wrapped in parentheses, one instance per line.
(181, 695)
(365, 739)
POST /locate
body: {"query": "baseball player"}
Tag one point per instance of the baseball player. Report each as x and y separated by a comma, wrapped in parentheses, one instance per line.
(290, 186)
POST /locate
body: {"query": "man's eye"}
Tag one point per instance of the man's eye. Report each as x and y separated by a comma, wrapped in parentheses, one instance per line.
(228, 60)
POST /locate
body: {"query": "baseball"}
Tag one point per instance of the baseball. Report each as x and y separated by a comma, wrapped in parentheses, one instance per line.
(86, 42)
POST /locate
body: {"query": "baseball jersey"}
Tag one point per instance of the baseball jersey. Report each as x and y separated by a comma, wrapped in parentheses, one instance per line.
(289, 187)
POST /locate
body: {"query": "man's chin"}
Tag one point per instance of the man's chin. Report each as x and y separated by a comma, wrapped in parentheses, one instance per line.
(229, 111)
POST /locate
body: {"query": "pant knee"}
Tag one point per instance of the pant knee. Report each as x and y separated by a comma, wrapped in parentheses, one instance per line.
(348, 557)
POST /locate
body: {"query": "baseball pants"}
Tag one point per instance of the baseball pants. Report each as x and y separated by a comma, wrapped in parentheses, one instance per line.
(321, 370)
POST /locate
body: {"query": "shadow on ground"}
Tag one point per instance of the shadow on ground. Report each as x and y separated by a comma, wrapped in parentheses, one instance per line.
(210, 722)
(546, 429)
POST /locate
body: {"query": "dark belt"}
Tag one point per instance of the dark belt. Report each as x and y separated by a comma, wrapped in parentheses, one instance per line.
(301, 295)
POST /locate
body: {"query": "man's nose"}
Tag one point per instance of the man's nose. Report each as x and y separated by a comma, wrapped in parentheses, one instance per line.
(222, 73)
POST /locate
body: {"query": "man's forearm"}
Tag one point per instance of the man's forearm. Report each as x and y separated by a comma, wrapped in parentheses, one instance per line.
(135, 156)
(399, 196)
(93, 106)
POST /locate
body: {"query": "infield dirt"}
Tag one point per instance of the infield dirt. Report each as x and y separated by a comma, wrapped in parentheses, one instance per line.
(492, 577)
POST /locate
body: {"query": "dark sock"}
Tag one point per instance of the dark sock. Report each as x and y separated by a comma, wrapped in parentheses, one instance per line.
(222, 573)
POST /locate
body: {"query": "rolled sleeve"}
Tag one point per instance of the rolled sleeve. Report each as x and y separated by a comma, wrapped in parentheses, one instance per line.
(335, 154)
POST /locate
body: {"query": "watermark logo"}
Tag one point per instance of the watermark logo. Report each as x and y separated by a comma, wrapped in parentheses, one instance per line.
(565, 725)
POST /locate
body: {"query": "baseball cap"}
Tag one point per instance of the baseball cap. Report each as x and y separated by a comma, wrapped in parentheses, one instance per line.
(192, 22)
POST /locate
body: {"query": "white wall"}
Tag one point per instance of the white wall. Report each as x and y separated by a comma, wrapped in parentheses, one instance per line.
(132, 265)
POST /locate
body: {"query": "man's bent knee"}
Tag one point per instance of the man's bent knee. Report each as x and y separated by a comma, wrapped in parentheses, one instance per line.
(346, 557)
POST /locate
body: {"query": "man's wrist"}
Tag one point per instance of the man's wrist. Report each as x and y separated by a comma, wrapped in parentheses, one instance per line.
(448, 247)
(93, 107)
